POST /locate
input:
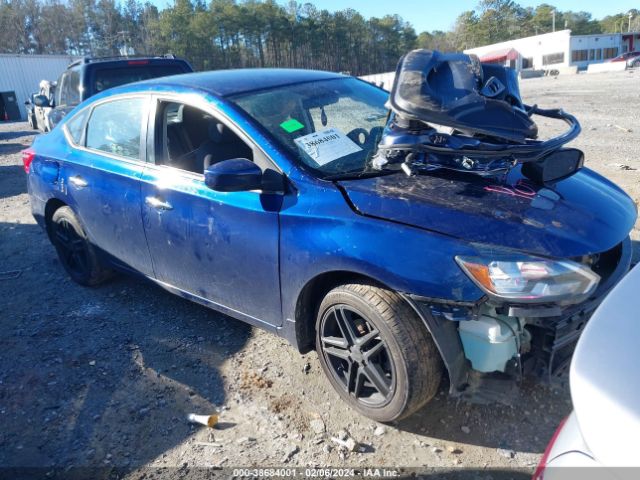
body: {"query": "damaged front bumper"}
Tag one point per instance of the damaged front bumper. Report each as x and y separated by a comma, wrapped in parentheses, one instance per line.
(552, 331)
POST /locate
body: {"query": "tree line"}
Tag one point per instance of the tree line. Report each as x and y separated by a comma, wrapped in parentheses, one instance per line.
(255, 33)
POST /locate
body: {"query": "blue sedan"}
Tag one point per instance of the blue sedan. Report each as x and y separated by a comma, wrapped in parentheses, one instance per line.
(252, 192)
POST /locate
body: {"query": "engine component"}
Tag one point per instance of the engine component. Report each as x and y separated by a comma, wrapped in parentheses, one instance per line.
(449, 111)
(489, 343)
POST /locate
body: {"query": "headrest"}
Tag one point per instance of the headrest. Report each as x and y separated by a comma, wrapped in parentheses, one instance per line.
(219, 133)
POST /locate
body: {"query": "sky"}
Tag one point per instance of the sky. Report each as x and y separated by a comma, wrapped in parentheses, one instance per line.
(440, 15)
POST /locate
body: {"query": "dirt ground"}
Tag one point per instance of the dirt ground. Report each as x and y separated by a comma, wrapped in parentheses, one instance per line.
(105, 377)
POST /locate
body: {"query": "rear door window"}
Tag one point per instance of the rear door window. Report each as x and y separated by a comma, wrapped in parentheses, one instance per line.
(72, 88)
(69, 89)
(75, 126)
(115, 127)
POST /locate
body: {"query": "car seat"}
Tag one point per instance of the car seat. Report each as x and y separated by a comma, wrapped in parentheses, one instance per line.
(223, 144)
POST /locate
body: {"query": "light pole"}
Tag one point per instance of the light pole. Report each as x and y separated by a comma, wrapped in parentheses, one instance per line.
(630, 17)
(553, 20)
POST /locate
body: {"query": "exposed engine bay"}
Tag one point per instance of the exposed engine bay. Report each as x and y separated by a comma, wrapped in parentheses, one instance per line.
(449, 111)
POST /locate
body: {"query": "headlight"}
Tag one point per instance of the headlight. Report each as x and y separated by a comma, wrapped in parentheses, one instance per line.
(530, 279)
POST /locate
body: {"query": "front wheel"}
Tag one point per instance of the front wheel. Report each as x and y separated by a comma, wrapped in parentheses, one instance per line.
(376, 352)
(77, 255)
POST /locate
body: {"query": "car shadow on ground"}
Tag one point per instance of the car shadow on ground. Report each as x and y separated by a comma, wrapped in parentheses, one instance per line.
(100, 376)
(13, 180)
(534, 410)
(4, 136)
(11, 148)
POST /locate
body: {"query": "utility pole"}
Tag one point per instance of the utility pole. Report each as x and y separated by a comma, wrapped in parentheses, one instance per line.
(553, 20)
(630, 16)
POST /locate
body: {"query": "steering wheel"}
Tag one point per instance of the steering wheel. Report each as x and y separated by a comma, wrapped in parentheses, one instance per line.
(359, 136)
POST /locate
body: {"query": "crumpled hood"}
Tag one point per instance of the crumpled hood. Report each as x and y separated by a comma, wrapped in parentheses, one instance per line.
(579, 215)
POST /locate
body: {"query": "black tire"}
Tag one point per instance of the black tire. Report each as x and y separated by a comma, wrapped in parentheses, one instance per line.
(77, 255)
(32, 122)
(388, 338)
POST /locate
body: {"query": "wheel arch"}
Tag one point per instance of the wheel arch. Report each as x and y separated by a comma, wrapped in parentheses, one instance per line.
(312, 294)
(50, 208)
(310, 298)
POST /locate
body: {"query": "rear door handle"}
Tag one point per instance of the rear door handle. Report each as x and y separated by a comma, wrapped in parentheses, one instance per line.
(158, 204)
(78, 181)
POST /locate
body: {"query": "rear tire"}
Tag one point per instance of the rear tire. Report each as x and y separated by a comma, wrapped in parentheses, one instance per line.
(77, 255)
(386, 366)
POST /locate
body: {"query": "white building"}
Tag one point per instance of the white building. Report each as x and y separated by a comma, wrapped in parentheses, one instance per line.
(557, 50)
(22, 74)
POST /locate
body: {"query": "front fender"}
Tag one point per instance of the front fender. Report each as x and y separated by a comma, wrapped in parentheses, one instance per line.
(321, 233)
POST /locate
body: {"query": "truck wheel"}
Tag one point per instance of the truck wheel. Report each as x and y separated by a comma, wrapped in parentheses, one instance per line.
(32, 124)
(77, 255)
(376, 352)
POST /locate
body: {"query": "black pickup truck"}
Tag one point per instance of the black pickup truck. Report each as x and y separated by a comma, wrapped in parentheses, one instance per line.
(89, 76)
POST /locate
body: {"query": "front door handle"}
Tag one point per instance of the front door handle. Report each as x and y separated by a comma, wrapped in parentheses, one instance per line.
(78, 181)
(158, 204)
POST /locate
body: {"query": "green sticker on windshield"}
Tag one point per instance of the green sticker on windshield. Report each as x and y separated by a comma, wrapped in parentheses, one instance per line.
(291, 125)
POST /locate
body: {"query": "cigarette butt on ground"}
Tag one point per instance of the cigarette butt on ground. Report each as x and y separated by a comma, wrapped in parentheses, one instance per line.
(206, 420)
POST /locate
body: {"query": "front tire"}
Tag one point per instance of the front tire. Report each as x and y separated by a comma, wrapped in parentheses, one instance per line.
(77, 255)
(376, 352)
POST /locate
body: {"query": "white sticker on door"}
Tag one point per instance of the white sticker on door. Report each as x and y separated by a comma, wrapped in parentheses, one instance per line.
(326, 146)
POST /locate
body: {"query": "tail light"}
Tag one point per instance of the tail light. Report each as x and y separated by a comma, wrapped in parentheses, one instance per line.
(27, 157)
(539, 473)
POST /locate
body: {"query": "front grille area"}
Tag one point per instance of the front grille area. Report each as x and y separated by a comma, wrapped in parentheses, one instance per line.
(553, 344)
(554, 338)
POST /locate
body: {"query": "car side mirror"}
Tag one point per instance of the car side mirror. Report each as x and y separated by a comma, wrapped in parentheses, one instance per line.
(41, 101)
(235, 175)
(555, 166)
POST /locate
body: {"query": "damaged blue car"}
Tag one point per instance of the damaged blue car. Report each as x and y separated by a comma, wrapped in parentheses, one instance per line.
(408, 239)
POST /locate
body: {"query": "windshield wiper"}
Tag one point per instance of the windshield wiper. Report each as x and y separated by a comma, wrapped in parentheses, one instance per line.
(355, 175)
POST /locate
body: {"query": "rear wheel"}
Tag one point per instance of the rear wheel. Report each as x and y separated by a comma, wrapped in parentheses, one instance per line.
(77, 255)
(376, 352)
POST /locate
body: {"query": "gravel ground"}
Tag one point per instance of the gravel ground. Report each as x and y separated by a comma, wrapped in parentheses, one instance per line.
(105, 377)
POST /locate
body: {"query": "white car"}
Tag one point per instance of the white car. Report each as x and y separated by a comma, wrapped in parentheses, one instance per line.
(600, 439)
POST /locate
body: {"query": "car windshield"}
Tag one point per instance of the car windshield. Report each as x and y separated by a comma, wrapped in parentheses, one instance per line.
(331, 126)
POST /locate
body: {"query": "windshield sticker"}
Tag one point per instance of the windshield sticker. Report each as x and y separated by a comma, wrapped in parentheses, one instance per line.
(291, 125)
(326, 146)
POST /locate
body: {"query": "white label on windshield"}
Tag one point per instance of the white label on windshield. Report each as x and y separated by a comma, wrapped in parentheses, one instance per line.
(326, 146)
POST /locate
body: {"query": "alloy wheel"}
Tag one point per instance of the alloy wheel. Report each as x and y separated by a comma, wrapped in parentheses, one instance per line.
(72, 247)
(357, 357)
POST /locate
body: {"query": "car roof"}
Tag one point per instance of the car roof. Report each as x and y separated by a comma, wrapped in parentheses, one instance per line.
(225, 83)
